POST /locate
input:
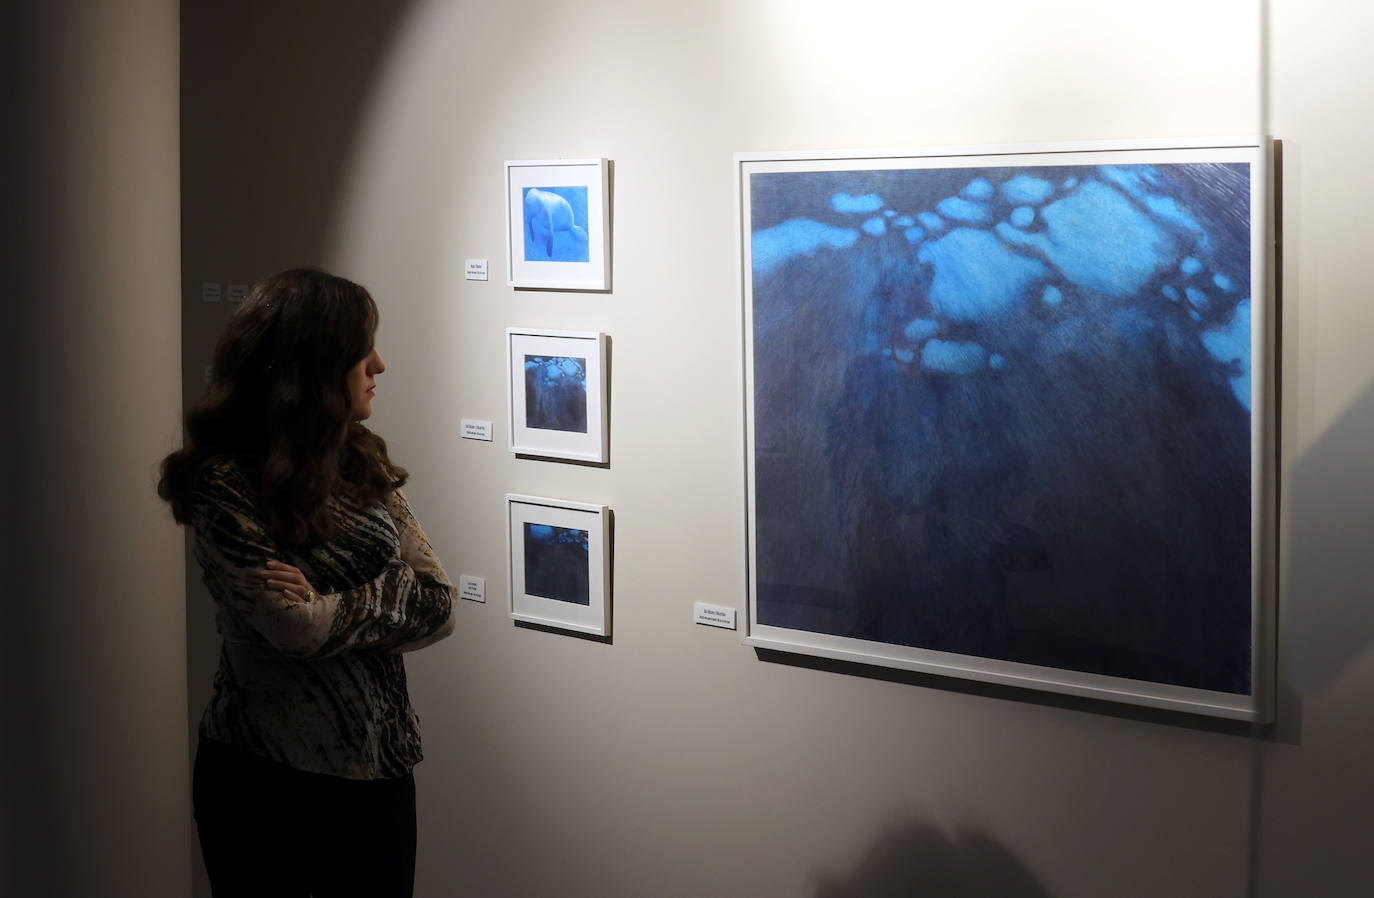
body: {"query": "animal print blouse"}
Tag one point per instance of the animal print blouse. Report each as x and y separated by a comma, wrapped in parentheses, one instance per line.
(319, 686)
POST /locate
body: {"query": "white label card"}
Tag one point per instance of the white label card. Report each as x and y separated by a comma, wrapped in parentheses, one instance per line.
(474, 589)
(475, 270)
(476, 430)
(714, 615)
(238, 292)
(210, 292)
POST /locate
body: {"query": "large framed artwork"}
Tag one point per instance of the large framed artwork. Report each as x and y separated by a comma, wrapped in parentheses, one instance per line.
(556, 394)
(557, 212)
(1007, 414)
(559, 563)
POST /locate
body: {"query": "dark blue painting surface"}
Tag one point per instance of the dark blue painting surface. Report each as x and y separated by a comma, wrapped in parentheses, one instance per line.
(556, 563)
(556, 393)
(1005, 412)
(555, 224)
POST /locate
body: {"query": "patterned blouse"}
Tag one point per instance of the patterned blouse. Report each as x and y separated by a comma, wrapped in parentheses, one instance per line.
(319, 686)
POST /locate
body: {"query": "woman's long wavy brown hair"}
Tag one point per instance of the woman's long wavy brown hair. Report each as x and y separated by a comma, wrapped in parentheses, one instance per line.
(278, 403)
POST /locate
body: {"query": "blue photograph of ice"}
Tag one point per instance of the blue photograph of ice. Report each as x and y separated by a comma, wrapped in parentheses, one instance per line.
(1016, 423)
(556, 563)
(556, 224)
(556, 393)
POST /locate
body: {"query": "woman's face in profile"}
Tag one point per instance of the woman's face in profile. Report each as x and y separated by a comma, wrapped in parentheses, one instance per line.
(362, 383)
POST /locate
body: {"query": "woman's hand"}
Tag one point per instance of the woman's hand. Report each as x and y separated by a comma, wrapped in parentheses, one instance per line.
(289, 581)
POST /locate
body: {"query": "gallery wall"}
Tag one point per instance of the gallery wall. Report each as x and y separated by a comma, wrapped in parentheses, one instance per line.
(672, 760)
(95, 784)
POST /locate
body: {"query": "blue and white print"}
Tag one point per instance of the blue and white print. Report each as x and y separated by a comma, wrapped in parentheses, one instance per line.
(1006, 412)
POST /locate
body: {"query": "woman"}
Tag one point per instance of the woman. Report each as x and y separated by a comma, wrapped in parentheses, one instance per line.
(321, 578)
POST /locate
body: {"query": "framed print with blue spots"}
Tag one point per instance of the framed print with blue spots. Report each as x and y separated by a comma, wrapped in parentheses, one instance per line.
(556, 394)
(559, 556)
(1007, 415)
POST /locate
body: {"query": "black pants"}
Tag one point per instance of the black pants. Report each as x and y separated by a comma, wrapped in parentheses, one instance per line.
(270, 831)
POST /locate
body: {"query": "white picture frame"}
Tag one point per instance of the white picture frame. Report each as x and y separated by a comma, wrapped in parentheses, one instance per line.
(949, 307)
(559, 564)
(556, 394)
(557, 224)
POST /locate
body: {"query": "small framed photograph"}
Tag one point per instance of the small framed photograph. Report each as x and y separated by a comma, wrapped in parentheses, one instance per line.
(556, 224)
(556, 388)
(559, 563)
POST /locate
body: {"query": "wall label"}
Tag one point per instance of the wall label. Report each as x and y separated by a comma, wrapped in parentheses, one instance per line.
(475, 270)
(474, 589)
(714, 615)
(476, 430)
(210, 292)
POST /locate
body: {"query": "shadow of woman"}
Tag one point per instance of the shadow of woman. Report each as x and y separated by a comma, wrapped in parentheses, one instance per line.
(919, 859)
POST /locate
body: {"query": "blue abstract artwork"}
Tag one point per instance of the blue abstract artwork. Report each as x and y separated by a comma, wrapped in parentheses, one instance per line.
(557, 563)
(556, 393)
(556, 224)
(1005, 412)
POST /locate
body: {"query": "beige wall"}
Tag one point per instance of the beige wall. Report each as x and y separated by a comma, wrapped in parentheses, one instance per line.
(674, 761)
(92, 648)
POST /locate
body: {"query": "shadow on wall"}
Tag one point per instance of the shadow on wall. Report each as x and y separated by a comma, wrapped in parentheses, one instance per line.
(1330, 613)
(918, 859)
(273, 98)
